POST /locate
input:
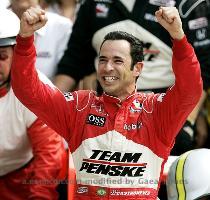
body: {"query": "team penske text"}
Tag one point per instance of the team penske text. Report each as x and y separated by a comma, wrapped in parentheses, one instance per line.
(114, 164)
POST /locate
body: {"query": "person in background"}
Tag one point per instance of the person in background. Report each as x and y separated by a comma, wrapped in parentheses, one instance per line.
(121, 139)
(96, 18)
(51, 40)
(31, 154)
(66, 8)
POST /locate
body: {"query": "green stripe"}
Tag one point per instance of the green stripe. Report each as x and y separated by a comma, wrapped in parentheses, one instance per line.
(180, 176)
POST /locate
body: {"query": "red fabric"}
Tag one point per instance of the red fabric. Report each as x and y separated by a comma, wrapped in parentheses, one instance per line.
(3, 91)
(38, 179)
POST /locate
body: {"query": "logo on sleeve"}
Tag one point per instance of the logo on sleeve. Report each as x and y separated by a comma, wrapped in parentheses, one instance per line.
(95, 120)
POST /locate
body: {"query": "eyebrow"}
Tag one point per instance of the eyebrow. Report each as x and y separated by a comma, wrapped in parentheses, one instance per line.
(115, 57)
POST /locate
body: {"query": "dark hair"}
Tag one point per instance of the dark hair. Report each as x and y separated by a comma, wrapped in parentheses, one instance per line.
(136, 48)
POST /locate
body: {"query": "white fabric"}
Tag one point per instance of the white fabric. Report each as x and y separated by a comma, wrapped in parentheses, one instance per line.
(51, 42)
(15, 119)
(4, 3)
(15, 148)
(129, 4)
(8, 17)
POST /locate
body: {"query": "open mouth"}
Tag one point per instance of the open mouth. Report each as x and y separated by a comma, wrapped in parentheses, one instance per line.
(110, 79)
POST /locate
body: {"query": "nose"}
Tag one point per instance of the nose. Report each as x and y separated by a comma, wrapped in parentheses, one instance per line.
(109, 66)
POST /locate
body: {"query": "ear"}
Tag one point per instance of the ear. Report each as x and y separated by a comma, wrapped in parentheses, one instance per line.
(137, 69)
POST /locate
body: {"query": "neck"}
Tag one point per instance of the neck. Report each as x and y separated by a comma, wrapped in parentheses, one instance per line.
(124, 96)
(130, 90)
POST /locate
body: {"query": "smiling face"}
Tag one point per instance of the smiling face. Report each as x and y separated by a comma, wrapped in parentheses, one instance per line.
(114, 69)
(5, 63)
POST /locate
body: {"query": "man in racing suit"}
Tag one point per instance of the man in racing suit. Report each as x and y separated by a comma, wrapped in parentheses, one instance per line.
(30, 152)
(121, 139)
(96, 18)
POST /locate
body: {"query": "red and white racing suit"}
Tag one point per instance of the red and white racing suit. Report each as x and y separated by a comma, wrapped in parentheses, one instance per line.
(119, 148)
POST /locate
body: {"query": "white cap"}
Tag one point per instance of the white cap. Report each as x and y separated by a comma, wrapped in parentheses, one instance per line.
(9, 27)
(189, 176)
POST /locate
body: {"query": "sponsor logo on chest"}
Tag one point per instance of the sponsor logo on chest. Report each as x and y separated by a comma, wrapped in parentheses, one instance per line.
(96, 120)
(68, 96)
(82, 190)
(136, 106)
(131, 127)
(114, 164)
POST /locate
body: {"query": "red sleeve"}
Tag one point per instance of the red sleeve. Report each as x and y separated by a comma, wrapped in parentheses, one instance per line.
(46, 101)
(172, 109)
(48, 150)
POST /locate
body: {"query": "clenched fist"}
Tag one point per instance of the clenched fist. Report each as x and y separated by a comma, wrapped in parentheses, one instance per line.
(169, 18)
(32, 19)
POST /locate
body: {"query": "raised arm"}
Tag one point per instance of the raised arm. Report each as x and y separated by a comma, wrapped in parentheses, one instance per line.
(173, 108)
(35, 92)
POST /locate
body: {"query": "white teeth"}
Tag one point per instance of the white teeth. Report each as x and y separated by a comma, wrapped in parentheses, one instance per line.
(110, 78)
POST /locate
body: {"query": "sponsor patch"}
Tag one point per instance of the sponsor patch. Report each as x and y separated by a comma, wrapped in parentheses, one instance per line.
(101, 192)
(82, 190)
(68, 96)
(130, 127)
(166, 3)
(44, 54)
(102, 10)
(201, 34)
(95, 120)
(114, 164)
(136, 106)
(202, 43)
(198, 23)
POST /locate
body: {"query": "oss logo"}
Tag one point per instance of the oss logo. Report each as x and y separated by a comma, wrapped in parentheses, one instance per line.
(95, 120)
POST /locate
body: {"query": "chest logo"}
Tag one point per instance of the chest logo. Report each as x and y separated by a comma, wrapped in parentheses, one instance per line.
(95, 120)
(136, 106)
(101, 192)
(68, 96)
